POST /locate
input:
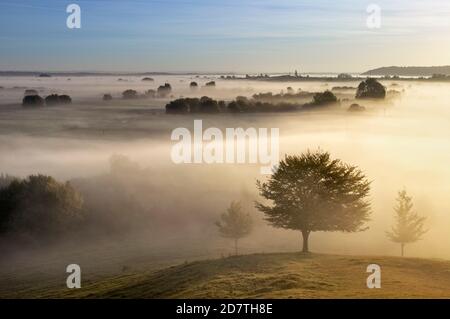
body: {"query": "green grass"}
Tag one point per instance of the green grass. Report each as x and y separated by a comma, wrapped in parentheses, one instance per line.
(281, 275)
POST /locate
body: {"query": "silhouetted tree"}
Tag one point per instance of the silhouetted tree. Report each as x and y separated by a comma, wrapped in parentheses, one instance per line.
(5, 180)
(233, 107)
(313, 192)
(194, 104)
(324, 98)
(208, 105)
(222, 105)
(129, 94)
(65, 99)
(183, 105)
(235, 224)
(409, 226)
(356, 108)
(164, 90)
(178, 106)
(33, 100)
(370, 88)
(52, 99)
(150, 93)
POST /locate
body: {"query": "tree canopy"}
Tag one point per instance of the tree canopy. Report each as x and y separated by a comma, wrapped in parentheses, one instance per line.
(324, 98)
(371, 88)
(313, 192)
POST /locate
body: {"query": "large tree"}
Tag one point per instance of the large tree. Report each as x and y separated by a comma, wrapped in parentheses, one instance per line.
(313, 192)
(409, 226)
(235, 224)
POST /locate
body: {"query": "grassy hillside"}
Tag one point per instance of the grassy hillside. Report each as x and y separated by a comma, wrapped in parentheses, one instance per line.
(283, 275)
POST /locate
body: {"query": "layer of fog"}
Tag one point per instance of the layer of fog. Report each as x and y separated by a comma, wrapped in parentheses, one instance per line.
(401, 143)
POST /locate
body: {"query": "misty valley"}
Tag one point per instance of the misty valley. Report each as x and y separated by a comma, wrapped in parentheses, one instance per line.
(212, 186)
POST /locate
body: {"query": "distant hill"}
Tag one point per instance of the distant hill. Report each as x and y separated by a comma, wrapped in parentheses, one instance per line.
(410, 70)
(33, 73)
(281, 275)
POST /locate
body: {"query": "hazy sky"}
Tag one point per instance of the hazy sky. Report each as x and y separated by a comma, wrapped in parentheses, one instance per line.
(223, 35)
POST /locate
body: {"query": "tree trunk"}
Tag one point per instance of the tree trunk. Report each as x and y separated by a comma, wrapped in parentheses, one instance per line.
(305, 235)
(236, 246)
(403, 248)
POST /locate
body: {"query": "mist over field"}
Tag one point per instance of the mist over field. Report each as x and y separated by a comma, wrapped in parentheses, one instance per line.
(118, 155)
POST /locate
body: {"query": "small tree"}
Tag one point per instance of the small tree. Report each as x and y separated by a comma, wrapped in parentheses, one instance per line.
(409, 226)
(313, 192)
(235, 224)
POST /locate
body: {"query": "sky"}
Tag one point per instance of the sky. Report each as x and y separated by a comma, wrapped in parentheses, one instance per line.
(243, 36)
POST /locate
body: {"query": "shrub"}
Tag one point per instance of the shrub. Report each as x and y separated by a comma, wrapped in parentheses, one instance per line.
(107, 97)
(210, 84)
(147, 79)
(32, 100)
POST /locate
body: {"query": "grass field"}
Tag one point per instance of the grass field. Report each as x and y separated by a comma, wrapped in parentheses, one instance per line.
(281, 275)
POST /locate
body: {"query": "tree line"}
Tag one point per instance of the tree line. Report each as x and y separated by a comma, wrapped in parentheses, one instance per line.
(268, 102)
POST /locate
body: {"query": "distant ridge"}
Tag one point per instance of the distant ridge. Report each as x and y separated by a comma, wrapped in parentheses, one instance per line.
(35, 73)
(410, 70)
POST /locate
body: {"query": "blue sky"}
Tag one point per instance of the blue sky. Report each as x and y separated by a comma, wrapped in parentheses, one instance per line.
(226, 35)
